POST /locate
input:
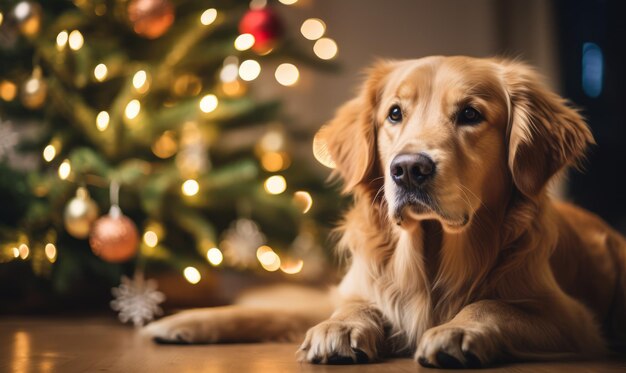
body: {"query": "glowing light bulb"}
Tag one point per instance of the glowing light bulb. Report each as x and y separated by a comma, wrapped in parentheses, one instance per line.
(1, 18)
(190, 187)
(244, 42)
(313, 28)
(49, 152)
(229, 73)
(275, 184)
(288, 2)
(214, 256)
(303, 200)
(24, 251)
(16, 252)
(287, 74)
(62, 38)
(208, 16)
(150, 238)
(100, 72)
(51, 252)
(274, 161)
(102, 121)
(208, 103)
(76, 40)
(270, 261)
(132, 109)
(65, 169)
(292, 267)
(140, 81)
(192, 275)
(249, 70)
(8, 90)
(325, 48)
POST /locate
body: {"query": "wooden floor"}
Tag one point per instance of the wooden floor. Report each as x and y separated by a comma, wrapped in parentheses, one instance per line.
(92, 345)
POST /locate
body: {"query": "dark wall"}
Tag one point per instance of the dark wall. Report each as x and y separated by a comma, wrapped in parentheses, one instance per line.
(597, 27)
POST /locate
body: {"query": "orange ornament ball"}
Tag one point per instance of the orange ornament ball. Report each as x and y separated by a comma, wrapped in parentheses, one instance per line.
(150, 18)
(114, 237)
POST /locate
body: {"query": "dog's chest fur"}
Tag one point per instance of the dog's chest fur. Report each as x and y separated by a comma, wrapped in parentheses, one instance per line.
(400, 279)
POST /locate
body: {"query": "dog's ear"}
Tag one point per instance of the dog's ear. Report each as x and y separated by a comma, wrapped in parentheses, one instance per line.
(545, 134)
(348, 141)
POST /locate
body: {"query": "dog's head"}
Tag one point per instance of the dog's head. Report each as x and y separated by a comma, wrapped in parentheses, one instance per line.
(445, 136)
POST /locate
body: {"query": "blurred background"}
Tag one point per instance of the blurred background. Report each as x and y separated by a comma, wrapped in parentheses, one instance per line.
(157, 153)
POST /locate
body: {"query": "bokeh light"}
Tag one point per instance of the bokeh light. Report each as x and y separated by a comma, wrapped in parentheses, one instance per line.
(313, 28)
(287, 74)
(325, 48)
(192, 275)
(214, 256)
(249, 70)
(208, 103)
(275, 184)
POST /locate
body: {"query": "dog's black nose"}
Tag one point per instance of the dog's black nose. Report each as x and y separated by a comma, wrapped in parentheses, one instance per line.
(409, 170)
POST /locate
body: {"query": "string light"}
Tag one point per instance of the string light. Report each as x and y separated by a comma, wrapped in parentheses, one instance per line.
(249, 70)
(192, 275)
(51, 252)
(275, 184)
(287, 74)
(288, 2)
(325, 48)
(229, 72)
(49, 152)
(140, 81)
(214, 256)
(62, 38)
(1, 18)
(65, 169)
(166, 145)
(16, 252)
(132, 109)
(208, 16)
(208, 103)
(244, 42)
(76, 40)
(8, 90)
(150, 238)
(272, 141)
(303, 200)
(313, 28)
(24, 251)
(275, 161)
(292, 267)
(100, 72)
(102, 121)
(270, 261)
(190, 187)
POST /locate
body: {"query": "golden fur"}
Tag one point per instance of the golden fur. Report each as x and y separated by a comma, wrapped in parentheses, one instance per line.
(486, 267)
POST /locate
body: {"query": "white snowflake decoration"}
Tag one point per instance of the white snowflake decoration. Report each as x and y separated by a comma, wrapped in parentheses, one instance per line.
(137, 300)
(241, 240)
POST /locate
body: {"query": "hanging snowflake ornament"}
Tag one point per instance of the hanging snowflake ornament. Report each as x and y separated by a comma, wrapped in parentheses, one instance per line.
(241, 240)
(137, 300)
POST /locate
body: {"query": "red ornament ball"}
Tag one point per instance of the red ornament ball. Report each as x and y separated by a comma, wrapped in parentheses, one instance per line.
(266, 27)
(150, 18)
(114, 237)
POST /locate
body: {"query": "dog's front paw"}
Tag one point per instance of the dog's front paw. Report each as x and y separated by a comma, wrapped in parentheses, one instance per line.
(183, 328)
(340, 342)
(454, 347)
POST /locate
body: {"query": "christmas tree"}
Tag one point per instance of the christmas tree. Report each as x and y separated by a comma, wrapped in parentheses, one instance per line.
(152, 151)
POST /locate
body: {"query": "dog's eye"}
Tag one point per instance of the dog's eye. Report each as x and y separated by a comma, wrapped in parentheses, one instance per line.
(468, 116)
(395, 114)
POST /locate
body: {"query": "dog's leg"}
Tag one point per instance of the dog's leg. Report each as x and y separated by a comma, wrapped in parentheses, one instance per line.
(488, 330)
(353, 334)
(232, 324)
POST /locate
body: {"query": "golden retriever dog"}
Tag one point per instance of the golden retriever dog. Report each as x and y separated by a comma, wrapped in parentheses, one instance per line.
(457, 254)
